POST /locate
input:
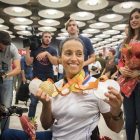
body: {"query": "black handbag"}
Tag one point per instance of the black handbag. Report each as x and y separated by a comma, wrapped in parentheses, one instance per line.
(94, 68)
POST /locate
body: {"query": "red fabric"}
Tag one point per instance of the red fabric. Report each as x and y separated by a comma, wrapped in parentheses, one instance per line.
(134, 63)
(127, 85)
(121, 63)
(105, 138)
(126, 54)
(135, 49)
(28, 127)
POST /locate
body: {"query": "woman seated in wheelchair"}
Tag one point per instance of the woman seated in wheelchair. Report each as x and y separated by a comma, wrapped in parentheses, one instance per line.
(76, 115)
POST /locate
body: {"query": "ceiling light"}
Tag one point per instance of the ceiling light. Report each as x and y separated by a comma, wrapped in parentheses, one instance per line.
(99, 24)
(54, 0)
(12, 36)
(25, 32)
(92, 2)
(84, 34)
(122, 25)
(62, 36)
(127, 5)
(111, 31)
(23, 27)
(118, 35)
(111, 16)
(51, 12)
(82, 14)
(90, 30)
(96, 39)
(21, 19)
(1, 25)
(100, 43)
(104, 42)
(66, 34)
(49, 21)
(111, 39)
(18, 9)
(47, 28)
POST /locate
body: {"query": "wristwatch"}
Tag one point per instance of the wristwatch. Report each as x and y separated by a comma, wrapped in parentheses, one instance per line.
(6, 75)
(119, 117)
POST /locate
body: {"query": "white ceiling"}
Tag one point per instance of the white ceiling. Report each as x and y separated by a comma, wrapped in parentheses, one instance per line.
(103, 21)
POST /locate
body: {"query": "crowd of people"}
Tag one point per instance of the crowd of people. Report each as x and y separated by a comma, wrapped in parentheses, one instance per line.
(75, 115)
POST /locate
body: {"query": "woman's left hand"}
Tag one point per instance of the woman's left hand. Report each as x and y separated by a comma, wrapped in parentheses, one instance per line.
(115, 101)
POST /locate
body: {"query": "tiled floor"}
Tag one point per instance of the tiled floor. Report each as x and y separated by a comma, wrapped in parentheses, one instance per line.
(104, 131)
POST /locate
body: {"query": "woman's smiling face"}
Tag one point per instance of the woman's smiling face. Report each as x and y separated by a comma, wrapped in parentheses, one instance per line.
(135, 20)
(72, 57)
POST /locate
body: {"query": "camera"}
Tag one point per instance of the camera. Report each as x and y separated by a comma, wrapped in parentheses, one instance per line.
(33, 40)
(3, 70)
(5, 112)
(13, 110)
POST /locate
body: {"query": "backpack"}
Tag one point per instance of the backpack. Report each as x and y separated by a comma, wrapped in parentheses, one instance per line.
(23, 93)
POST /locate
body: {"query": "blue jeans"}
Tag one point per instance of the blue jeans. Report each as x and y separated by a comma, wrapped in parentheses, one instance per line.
(12, 134)
(6, 96)
(132, 112)
(33, 104)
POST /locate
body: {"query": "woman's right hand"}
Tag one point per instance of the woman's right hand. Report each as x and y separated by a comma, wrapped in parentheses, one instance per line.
(125, 71)
(42, 96)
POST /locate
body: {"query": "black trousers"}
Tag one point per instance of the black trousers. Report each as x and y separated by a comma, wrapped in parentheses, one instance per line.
(95, 134)
(96, 75)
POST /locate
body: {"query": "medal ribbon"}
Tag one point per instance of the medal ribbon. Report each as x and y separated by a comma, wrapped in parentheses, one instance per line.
(76, 84)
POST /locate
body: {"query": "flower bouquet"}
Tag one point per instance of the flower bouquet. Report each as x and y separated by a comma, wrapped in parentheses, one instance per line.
(29, 126)
(131, 58)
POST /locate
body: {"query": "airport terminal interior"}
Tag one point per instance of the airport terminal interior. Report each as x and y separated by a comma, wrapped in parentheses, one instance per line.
(103, 21)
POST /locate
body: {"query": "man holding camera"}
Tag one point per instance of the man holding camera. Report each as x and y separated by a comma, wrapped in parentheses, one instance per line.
(8, 54)
(43, 59)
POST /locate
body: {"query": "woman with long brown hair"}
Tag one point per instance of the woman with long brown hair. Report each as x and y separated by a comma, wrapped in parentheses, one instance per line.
(130, 75)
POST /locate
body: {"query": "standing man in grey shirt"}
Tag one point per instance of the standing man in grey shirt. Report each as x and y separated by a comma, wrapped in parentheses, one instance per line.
(8, 55)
